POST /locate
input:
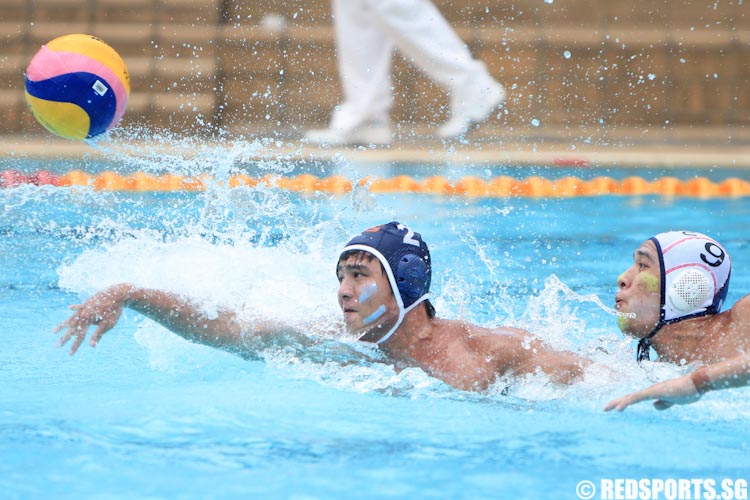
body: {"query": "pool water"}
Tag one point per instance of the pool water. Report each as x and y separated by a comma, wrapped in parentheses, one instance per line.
(148, 415)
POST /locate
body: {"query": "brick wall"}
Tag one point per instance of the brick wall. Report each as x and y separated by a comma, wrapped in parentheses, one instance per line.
(577, 64)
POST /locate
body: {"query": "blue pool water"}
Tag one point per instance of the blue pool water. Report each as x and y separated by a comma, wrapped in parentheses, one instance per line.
(148, 415)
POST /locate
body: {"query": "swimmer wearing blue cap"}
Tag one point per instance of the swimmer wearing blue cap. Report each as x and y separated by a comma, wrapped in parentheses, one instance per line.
(671, 299)
(385, 274)
(384, 278)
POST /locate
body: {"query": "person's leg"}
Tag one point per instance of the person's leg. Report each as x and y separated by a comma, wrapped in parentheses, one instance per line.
(425, 38)
(364, 53)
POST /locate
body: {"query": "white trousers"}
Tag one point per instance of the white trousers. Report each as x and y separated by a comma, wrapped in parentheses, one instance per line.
(368, 31)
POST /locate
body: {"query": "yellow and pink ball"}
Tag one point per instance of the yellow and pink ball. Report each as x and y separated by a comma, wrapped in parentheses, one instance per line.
(77, 86)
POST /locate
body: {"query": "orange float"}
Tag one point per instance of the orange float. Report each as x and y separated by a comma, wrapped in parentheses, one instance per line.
(192, 184)
(110, 181)
(733, 188)
(499, 187)
(304, 183)
(238, 180)
(568, 187)
(699, 187)
(336, 184)
(502, 186)
(533, 186)
(472, 186)
(635, 186)
(667, 186)
(75, 178)
(601, 186)
(437, 184)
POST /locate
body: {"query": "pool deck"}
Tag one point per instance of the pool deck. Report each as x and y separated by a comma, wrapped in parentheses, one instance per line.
(704, 148)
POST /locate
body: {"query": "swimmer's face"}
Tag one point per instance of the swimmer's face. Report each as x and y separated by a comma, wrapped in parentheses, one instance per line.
(639, 292)
(365, 296)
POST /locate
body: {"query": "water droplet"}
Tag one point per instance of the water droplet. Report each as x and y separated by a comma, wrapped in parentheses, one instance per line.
(566, 54)
(534, 122)
(651, 76)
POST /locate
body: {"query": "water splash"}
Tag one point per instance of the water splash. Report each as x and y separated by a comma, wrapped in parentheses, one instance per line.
(554, 283)
(499, 289)
(261, 252)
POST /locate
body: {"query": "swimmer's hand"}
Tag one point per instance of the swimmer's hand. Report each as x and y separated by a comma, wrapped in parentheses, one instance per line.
(102, 310)
(678, 391)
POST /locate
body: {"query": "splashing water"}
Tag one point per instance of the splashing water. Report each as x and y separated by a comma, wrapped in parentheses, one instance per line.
(261, 251)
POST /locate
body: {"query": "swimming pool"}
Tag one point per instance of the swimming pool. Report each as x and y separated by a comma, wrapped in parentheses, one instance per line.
(148, 415)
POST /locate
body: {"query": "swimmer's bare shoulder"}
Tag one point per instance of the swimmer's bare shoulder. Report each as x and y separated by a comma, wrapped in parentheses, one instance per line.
(524, 352)
(508, 340)
(727, 333)
(505, 346)
(741, 309)
(481, 338)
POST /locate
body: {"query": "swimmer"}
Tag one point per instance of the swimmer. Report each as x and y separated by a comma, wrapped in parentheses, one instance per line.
(676, 288)
(384, 277)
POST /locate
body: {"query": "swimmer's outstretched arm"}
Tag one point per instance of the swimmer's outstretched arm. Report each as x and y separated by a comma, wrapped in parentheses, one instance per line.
(176, 313)
(733, 372)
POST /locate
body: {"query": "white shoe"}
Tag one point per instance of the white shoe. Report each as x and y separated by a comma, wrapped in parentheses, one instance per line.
(366, 134)
(471, 106)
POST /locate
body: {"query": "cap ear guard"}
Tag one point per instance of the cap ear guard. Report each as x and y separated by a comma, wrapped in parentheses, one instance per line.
(689, 291)
(411, 276)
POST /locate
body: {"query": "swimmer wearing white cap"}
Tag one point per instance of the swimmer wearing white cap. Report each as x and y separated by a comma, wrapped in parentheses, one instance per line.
(384, 278)
(671, 300)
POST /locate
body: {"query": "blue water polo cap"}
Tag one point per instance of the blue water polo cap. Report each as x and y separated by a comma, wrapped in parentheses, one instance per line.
(406, 261)
(404, 256)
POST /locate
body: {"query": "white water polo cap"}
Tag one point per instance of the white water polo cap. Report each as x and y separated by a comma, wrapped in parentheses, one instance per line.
(406, 260)
(695, 271)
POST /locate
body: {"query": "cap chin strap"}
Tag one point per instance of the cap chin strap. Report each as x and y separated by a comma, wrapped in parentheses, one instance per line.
(401, 315)
(644, 344)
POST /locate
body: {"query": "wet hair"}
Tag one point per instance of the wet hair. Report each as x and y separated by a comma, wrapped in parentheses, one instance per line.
(357, 254)
(431, 313)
